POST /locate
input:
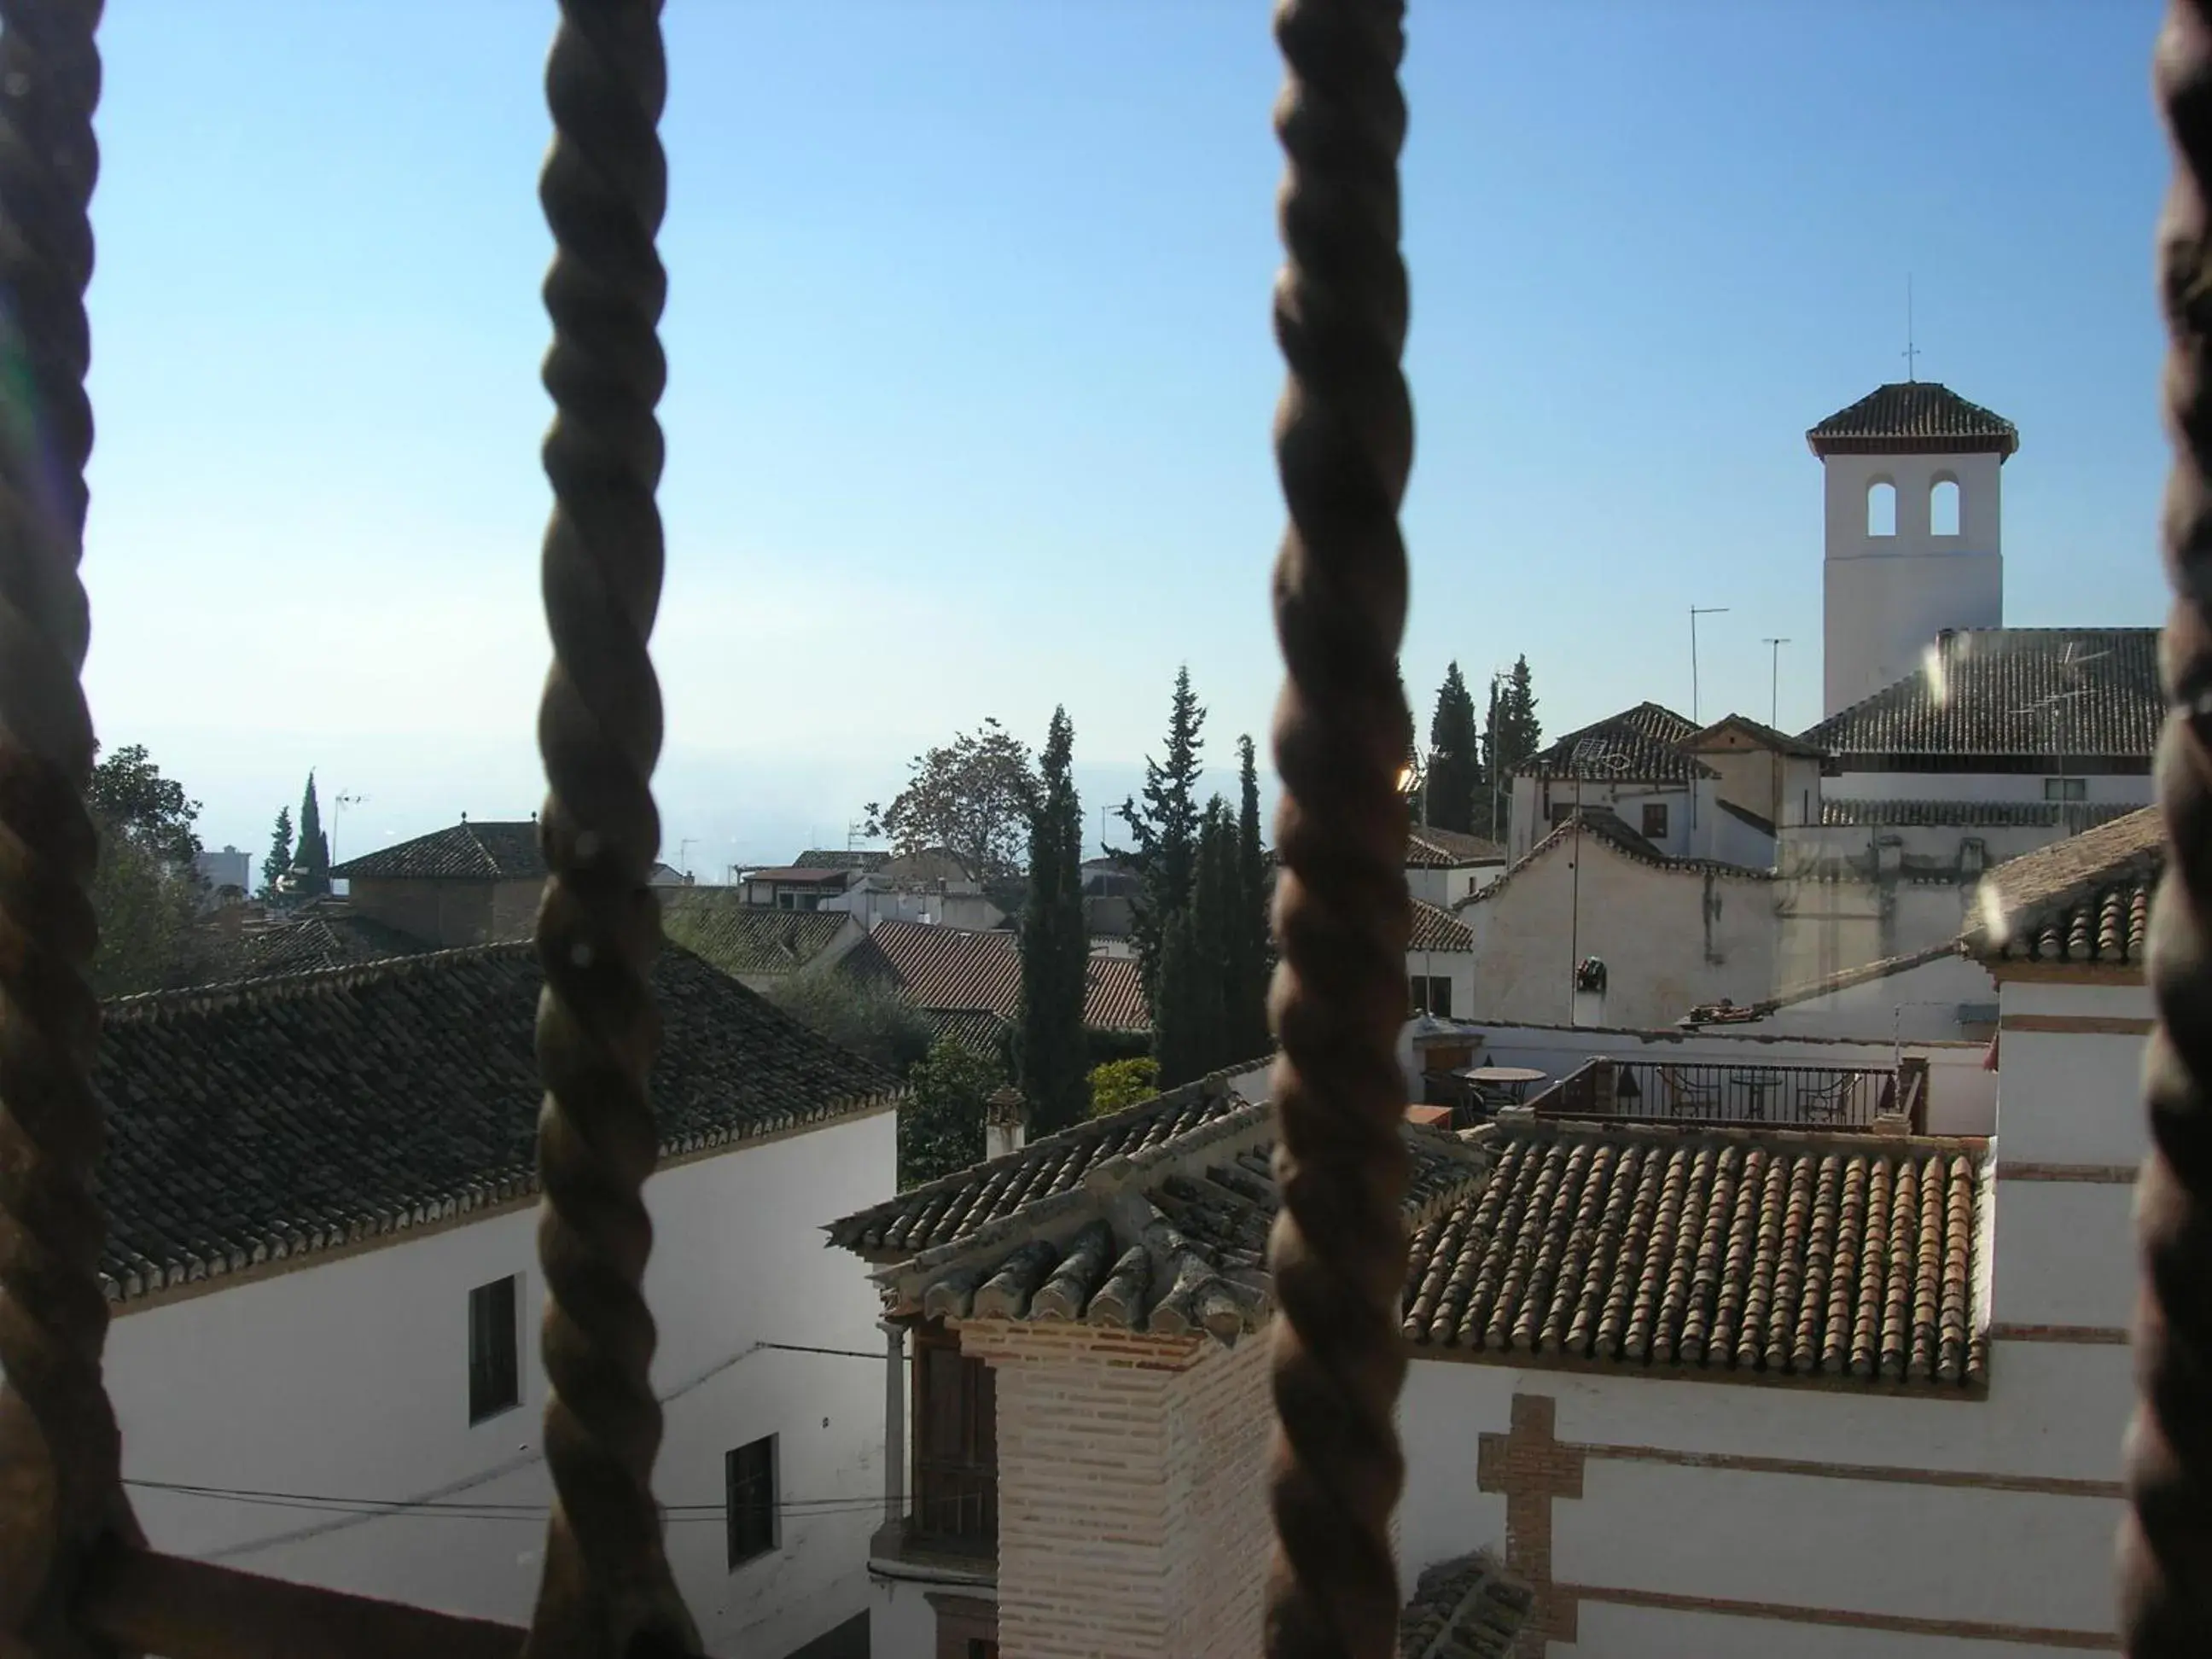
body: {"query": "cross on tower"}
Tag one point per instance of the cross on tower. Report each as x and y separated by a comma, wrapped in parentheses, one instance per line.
(1911, 351)
(1531, 1466)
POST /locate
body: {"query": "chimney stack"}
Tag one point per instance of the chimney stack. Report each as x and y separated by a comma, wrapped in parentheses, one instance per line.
(1006, 1123)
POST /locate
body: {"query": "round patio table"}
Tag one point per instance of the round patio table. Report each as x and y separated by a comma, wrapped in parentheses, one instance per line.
(1514, 1077)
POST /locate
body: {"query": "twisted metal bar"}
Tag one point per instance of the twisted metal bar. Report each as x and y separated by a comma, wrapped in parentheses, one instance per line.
(607, 1589)
(2165, 1542)
(1343, 446)
(60, 1452)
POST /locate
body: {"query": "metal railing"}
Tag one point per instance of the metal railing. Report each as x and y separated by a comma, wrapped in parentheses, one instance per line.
(1801, 1097)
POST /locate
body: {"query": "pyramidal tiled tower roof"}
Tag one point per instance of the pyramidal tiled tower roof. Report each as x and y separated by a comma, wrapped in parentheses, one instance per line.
(1913, 417)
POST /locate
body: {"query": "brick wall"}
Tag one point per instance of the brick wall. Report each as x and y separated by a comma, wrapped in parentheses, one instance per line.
(1133, 1519)
(443, 913)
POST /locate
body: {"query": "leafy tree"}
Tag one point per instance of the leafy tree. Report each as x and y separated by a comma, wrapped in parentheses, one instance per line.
(1454, 779)
(145, 907)
(145, 892)
(1252, 963)
(871, 1018)
(1166, 832)
(973, 797)
(1055, 944)
(279, 861)
(1120, 1083)
(941, 1125)
(312, 862)
(129, 795)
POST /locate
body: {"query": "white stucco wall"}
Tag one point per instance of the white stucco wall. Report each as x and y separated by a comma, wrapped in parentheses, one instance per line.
(350, 1379)
(1664, 954)
(1444, 888)
(1888, 596)
(1920, 1003)
(1815, 1535)
(2071, 1096)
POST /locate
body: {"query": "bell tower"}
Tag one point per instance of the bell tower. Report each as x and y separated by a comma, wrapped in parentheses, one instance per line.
(1913, 544)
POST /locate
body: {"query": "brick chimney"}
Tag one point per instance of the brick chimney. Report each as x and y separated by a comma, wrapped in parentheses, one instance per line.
(1006, 1123)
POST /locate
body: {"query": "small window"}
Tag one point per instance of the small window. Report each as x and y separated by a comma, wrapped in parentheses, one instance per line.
(1655, 820)
(1561, 811)
(749, 1474)
(2066, 788)
(1943, 507)
(1431, 995)
(1881, 509)
(495, 1348)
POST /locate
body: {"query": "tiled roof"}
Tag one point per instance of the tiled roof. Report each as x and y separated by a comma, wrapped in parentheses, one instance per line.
(817, 858)
(2064, 693)
(949, 968)
(1967, 814)
(1638, 746)
(1428, 849)
(288, 1116)
(1171, 1239)
(954, 1206)
(2086, 899)
(327, 933)
(1652, 1247)
(1765, 736)
(1467, 1608)
(467, 852)
(1606, 825)
(977, 1032)
(1913, 417)
(795, 875)
(748, 939)
(1439, 930)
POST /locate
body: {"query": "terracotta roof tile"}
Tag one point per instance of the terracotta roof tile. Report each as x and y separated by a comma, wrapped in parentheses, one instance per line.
(2081, 693)
(1647, 1247)
(1969, 814)
(1765, 736)
(288, 1117)
(1439, 930)
(1913, 417)
(954, 1206)
(1467, 1608)
(1606, 825)
(748, 939)
(499, 851)
(2086, 899)
(1428, 849)
(328, 933)
(1640, 744)
(946, 969)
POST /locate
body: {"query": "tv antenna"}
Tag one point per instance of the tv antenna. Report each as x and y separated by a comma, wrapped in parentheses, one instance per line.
(339, 804)
(1696, 611)
(1774, 680)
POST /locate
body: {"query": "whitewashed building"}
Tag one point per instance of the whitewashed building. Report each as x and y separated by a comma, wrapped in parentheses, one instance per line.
(1443, 866)
(1671, 932)
(323, 1270)
(1814, 1383)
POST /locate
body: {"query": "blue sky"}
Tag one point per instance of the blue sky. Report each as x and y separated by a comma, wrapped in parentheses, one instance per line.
(971, 371)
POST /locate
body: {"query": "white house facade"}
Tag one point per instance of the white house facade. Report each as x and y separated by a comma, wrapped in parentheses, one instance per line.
(323, 1274)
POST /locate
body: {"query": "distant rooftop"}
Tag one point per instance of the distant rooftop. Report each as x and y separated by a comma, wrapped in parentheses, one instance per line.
(498, 850)
(1913, 417)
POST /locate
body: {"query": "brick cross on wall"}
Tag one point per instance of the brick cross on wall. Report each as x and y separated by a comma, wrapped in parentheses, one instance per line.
(1531, 1467)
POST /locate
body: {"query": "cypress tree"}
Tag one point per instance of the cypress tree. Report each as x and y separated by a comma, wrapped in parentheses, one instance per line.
(279, 860)
(1166, 832)
(1056, 945)
(312, 859)
(1247, 1019)
(1215, 943)
(1174, 1036)
(1454, 777)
